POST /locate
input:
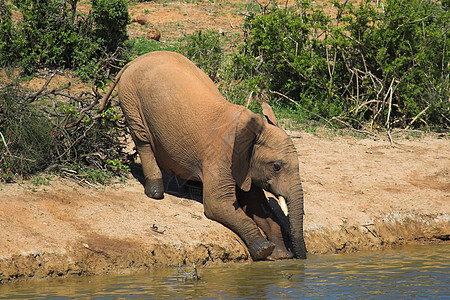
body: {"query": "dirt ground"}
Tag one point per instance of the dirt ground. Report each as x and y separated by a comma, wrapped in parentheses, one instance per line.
(175, 19)
(360, 194)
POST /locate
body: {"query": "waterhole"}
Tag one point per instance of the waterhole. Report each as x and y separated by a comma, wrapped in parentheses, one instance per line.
(406, 273)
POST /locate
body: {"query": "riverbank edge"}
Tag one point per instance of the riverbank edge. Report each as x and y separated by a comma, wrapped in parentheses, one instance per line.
(81, 259)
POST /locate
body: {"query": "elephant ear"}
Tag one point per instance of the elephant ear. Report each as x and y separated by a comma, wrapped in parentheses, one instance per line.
(249, 127)
(268, 113)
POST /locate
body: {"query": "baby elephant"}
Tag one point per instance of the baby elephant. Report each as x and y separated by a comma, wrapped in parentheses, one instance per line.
(181, 124)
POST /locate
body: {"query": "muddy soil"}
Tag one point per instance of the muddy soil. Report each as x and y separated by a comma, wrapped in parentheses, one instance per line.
(360, 194)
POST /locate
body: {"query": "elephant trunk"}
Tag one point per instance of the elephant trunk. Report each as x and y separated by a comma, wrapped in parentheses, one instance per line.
(295, 207)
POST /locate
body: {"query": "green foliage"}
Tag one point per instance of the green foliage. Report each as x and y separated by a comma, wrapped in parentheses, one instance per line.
(27, 136)
(205, 50)
(65, 134)
(406, 48)
(38, 137)
(365, 67)
(140, 46)
(118, 166)
(40, 36)
(51, 34)
(91, 175)
(7, 33)
(40, 180)
(282, 54)
(110, 115)
(111, 19)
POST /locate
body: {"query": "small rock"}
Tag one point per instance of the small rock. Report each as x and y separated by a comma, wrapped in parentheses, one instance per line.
(140, 18)
(154, 34)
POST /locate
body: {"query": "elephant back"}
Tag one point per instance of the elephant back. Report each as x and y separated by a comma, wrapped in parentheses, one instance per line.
(176, 107)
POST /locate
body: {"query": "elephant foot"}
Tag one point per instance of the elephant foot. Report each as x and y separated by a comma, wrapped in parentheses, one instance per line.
(279, 253)
(260, 250)
(154, 188)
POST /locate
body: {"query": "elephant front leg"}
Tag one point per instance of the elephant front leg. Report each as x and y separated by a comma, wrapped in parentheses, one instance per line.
(154, 186)
(221, 205)
(256, 206)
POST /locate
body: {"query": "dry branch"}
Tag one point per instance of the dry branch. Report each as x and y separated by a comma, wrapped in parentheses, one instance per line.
(416, 117)
(296, 103)
(4, 142)
(34, 96)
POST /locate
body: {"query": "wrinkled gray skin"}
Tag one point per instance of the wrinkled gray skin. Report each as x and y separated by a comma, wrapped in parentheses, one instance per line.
(181, 124)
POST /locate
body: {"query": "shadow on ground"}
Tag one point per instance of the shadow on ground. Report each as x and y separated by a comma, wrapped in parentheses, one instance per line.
(174, 186)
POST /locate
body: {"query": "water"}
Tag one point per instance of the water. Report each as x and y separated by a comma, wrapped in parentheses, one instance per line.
(408, 273)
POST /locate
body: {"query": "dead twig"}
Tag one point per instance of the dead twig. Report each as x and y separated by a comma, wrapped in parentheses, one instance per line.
(352, 128)
(4, 142)
(293, 101)
(73, 175)
(390, 137)
(388, 124)
(99, 252)
(76, 141)
(34, 96)
(418, 115)
(82, 114)
(8, 153)
(249, 99)
(185, 275)
(156, 229)
(369, 230)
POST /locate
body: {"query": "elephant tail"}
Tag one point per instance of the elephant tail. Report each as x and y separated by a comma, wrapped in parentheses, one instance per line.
(105, 100)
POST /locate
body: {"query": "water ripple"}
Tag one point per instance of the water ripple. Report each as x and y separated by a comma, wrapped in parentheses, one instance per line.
(414, 272)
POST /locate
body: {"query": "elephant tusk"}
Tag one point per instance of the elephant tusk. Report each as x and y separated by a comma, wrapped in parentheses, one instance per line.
(283, 205)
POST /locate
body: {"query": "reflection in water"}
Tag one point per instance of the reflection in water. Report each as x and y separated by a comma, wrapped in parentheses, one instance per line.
(414, 272)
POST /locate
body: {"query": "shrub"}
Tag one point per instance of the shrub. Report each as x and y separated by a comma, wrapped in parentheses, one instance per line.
(35, 137)
(206, 51)
(406, 49)
(67, 133)
(111, 19)
(282, 55)
(50, 34)
(27, 136)
(365, 66)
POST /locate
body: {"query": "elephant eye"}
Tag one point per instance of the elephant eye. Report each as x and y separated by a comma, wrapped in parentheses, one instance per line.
(276, 167)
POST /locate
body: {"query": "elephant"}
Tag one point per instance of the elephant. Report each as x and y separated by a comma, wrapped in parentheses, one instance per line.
(181, 124)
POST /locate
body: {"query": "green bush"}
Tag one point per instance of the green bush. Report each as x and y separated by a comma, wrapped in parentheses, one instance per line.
(205, 49)
(365, 66)
(27, 137)
(407, 49)
(282, 55)
(50, 34)
(35, 137)
(111, 19)
(42, 37)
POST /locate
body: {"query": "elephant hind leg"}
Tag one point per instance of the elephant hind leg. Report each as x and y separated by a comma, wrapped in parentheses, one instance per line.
(154, 187)
(131, 107)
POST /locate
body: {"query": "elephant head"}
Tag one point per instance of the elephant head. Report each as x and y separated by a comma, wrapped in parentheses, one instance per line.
(273, 166)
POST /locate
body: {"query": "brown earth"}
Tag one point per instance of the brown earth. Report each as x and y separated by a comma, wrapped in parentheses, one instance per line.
(360, 193)
(178, 19)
